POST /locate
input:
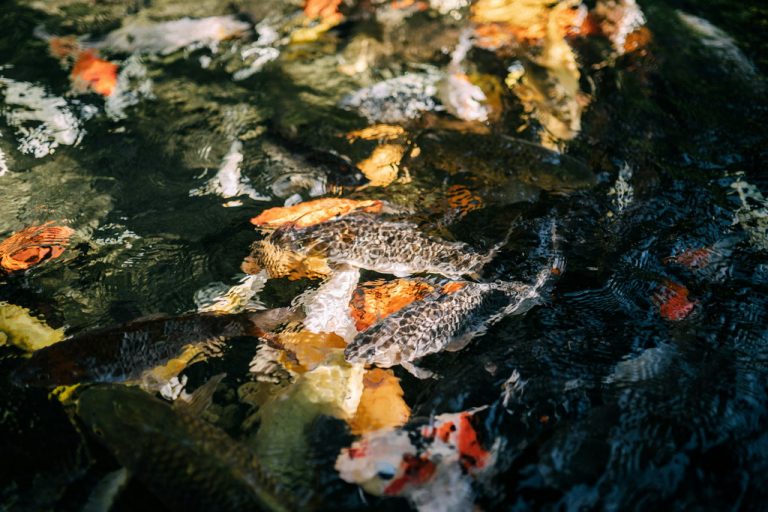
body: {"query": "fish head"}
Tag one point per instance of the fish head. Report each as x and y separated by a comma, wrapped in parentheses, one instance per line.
(382, 462)
(119, 416)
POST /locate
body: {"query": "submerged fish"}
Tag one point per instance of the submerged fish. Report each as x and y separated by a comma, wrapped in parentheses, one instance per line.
(371, 242)
(432, 466)
(187, 463)
(124, 352)
(447, 319)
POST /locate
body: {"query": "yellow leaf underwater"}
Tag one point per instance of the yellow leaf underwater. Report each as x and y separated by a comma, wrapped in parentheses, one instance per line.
(377, 132)
(18, 327)
(381, 404)
(382, 167)
(307, 350)
(313, 212)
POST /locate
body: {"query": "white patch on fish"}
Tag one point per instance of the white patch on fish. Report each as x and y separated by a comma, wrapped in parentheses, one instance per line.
(218, 297)
(398, 99)
(462, 98)
(167, 37)
(229, 181)
(42, 121)
(133, 84)
(327, 307)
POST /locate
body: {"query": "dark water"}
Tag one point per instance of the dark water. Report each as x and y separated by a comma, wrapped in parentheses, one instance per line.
(598, 398)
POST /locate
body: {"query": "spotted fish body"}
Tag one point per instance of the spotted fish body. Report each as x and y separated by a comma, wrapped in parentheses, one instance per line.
(124, 352)
(371, 242)
(188, 463)
(448, 319)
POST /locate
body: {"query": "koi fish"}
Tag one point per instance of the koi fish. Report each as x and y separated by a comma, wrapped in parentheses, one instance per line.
(188, 463)
(124, 352)
(447, 319)
(370, 242)
(432, 465)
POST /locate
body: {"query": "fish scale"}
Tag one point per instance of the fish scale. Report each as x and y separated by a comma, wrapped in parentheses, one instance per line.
(442, 321)
(125, 351)
(367, 241)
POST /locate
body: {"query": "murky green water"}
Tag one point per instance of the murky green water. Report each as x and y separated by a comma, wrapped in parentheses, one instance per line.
(618, 391)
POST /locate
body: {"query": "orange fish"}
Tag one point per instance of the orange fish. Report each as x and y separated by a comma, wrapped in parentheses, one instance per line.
(33, 245)
(375, 300)
(463, 200)
(91, 72)
(313, 212)
(327, 10)
(673, 302)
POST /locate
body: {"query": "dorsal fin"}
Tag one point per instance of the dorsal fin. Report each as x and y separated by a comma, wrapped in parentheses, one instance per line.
(201, 398)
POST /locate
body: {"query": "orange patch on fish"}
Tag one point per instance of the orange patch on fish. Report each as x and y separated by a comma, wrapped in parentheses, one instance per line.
(313, 212)
(375, 300)
(472, 455)
(463, 436)
(33, 245)
(462, 199)
(381, 404)
(673, 302)
(327, 10)
(692, 258)
(638, 40)
(416, 470)
(453, 287)
(91, 72)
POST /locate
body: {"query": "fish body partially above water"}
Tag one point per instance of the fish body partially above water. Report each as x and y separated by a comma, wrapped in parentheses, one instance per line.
(371, 242)
(186, 462)
(124, 352)
(448, 319)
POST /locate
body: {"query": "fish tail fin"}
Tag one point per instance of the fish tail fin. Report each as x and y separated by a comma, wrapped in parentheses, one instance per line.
(527, 296)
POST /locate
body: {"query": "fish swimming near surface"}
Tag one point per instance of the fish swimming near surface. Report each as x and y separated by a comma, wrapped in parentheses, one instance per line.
(447, 319)
(432, 465)
(186, 462)
(371, 242)
(124, 352)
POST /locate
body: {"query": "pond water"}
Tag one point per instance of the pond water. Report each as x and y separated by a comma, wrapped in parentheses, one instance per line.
(624, 144)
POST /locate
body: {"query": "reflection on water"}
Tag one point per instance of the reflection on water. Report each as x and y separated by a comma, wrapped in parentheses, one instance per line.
(488, 141)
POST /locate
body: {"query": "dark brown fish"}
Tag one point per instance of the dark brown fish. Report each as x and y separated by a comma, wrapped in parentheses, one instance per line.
(124, 352)
(186, 462)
